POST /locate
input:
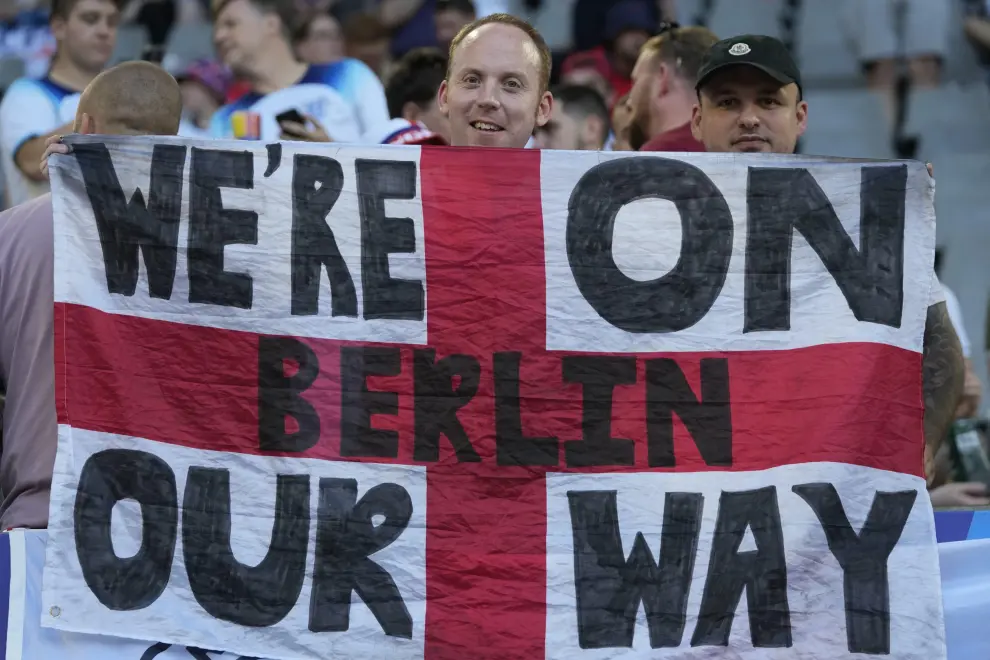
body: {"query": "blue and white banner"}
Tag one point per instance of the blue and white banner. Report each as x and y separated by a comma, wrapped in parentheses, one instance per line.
(965, 590)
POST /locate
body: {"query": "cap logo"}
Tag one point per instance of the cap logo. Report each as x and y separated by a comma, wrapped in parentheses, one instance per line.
(739, 49)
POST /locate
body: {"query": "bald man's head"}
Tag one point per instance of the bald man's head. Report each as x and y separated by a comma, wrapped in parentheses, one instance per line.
(133, 98)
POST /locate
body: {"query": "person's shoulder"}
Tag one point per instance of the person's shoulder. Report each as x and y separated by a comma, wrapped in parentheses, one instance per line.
(242, 103)
(26, 225)
(21, 88)
(343, 70)
(673, 141)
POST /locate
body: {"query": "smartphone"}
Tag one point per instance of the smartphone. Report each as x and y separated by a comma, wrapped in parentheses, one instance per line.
(290, 115)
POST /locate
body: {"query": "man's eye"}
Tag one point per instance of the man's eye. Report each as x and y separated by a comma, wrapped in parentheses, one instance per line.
(512, 83)
(726, 103)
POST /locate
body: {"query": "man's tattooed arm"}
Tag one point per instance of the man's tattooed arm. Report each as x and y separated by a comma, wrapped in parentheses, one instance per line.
(942, 369)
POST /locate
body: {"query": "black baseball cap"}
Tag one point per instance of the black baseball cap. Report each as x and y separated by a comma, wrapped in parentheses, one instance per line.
(767, 54)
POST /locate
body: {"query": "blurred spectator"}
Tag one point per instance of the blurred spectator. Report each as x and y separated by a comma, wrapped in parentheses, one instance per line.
(972, 389)
(628, 25)
(319, 40)
(412, 101)
(158, 17)
(976, 26)
(622, 116)
(885, 30)
(663, 94)
(410, 23)
(953, 495)
(204, 88)
(340, 101)
(24, 34)
(366, 39)
(449, 17)
(591, 69)
(32, 110)
(579, 121)
(591, 20)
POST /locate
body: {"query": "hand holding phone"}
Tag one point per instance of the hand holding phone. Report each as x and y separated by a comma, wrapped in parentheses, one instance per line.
(292, 115)
(300, 127)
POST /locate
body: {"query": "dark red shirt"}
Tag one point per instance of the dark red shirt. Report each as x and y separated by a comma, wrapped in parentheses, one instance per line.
(679, 139)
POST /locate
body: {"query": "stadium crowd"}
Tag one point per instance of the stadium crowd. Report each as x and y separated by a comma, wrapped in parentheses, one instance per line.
(624, 76)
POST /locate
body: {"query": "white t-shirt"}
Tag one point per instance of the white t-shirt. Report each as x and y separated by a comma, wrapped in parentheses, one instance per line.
(188, 129)
(30, 107)
(956, 316)
(346, 97)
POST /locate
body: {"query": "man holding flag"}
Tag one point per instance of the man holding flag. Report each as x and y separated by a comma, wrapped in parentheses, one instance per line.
(750, 101)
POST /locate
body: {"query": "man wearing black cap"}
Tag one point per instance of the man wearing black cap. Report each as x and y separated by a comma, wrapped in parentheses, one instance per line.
(749, 100)
(749, 97)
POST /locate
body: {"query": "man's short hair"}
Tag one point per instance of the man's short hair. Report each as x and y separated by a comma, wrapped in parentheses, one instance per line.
(62, 8)
(582, 102)
(462, 6)
(683, 47)
(284, 9)
(415, 79)
(546, 59)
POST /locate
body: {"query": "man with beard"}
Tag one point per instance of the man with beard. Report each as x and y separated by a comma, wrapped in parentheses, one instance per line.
(663, 95)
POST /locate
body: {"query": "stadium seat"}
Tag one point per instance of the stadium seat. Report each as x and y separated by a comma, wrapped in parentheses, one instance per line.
(189, 42)
(690, 11)
(824, 54)
(961, 63)
(950, 120)
(731, 17)
(131, 41)
(846, 124)
(962, 200)
(11, 68)
(554, 22)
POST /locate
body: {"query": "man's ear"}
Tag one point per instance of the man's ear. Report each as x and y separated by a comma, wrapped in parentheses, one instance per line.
(802, 117)
(696, 121)
(545, 109)
(442, 99)
(57, 27)
(87, 125)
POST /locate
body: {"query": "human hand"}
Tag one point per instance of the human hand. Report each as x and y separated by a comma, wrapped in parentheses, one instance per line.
(960, 494)
(311, 131)
(53, 146)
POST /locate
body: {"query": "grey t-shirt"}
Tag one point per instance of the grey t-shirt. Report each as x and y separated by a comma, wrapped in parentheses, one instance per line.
(27, 363)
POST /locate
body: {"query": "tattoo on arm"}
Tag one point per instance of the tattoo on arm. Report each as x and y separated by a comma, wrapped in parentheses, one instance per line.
(942, 375)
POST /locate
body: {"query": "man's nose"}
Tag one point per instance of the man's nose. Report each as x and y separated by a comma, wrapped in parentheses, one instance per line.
(489, 96)
(749, 118)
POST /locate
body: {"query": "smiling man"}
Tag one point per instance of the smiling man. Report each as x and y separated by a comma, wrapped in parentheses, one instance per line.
(495, 92)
